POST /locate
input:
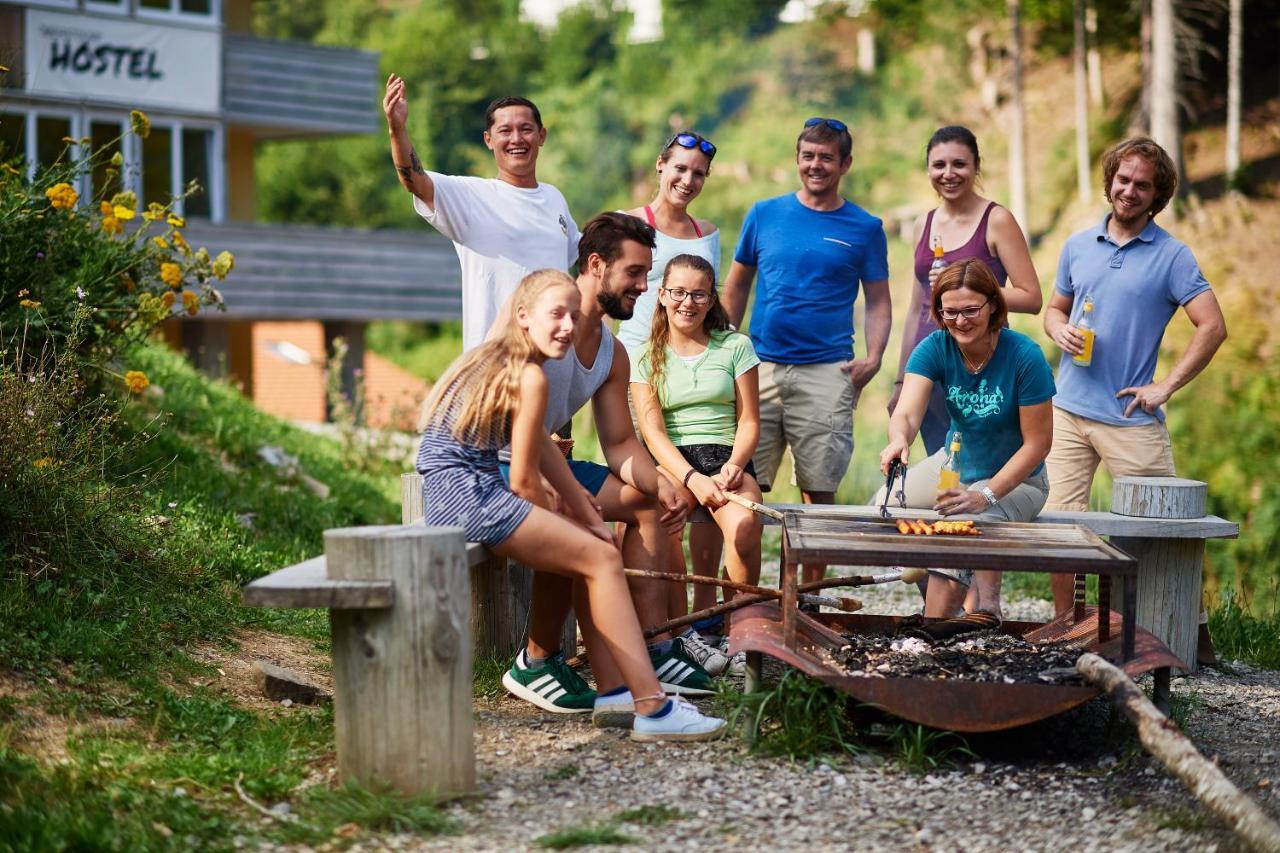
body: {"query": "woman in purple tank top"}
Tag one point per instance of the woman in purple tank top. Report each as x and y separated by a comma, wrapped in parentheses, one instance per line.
(967, 226)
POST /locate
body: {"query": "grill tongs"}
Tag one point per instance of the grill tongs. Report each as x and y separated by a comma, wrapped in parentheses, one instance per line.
(897, 473)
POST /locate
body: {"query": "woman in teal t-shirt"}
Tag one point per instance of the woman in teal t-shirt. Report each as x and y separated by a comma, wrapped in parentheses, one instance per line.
(998, 389)
(697, 396)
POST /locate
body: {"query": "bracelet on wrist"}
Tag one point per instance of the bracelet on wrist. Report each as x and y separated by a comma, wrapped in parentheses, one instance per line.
(897, 382)
(687, 475)
(989, 495)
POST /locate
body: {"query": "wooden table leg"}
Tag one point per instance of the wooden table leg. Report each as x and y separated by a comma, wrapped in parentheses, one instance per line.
(1160, 691)
(789, 602)
(1128, 631)
(755, 675)
(1104, 608)
(1077, 609)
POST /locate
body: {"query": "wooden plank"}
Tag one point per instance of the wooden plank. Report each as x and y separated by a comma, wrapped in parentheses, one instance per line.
(402, 677)
(306, 585)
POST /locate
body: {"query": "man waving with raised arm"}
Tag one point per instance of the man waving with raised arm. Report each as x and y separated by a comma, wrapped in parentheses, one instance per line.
(503, 228)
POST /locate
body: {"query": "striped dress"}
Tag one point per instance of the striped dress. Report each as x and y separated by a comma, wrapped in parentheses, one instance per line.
(462, 486)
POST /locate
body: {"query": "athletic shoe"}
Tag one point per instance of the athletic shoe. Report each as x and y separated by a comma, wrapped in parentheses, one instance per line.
(736, 665)
(613, 712)
(552, 687)
(680, 674)
(681, 722)
(706, 655)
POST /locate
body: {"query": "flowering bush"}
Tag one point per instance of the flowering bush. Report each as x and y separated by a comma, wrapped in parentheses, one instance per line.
(61, 253)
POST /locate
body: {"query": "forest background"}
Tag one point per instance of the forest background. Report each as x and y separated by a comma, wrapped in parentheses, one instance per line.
(733, 72)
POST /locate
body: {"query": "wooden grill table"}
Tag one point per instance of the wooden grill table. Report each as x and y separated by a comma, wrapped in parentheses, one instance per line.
(1003, 546)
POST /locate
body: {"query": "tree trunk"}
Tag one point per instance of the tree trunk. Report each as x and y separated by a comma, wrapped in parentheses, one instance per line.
(1234, 50)
(1097, 97)
(1082, 106)
(1166, 742)
(1142, 116)
(1017, 129)
(1164, 80)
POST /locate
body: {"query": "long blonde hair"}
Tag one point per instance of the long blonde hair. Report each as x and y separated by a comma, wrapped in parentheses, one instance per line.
(486, 380)
(717, 320)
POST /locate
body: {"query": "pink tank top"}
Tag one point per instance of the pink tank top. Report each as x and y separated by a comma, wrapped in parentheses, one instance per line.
(975, 248)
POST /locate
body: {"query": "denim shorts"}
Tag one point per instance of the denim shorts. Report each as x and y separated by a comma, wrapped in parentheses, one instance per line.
(590, 475)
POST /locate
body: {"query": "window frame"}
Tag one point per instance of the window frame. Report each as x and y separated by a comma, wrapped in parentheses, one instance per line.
(174, 13)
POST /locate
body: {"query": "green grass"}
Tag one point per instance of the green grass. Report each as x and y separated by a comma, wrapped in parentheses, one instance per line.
(1184, 819)
(921, 749)
(325, 810)
(584, 835)
(486, 677)
(424, 349)
(798, 717)
(563, 772)
(1240, 635)
(650, 815)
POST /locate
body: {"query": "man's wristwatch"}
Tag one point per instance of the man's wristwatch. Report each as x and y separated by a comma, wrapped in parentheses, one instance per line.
(989, 495)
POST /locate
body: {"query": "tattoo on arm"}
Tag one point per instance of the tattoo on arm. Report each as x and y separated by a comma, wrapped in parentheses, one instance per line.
(415, 162)
(406, 176)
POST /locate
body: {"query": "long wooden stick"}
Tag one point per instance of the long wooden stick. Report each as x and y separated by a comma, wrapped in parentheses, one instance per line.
(1202, 777)
(760, 508)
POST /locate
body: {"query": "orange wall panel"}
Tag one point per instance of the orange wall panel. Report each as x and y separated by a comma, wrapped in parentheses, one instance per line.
(281, 386)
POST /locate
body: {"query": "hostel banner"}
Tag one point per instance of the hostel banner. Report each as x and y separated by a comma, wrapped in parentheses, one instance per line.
(133, 63)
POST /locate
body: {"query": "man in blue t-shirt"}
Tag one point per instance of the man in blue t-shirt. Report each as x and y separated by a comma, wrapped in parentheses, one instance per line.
(1136, 276)
(810, 250)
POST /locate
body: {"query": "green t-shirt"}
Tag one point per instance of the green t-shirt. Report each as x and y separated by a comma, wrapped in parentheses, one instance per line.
(699, 398)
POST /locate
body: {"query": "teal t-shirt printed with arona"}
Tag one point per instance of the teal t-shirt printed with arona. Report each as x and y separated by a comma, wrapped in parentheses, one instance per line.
(984, 406)
(699, 399)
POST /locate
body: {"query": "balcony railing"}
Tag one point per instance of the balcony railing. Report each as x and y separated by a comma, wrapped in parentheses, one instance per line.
(291, 89)
(303, 272)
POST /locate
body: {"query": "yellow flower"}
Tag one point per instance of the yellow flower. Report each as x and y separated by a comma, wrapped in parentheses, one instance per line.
(117, 160)
(171, 274)
(180, 242)
(128, 199)
(123, 213)
(136, 381)
(190, 302)
(154, 212)
(177, 221)
(11, 170)
(62, 196)
(44, 462)
(111, 225)
(159, 241)
(107, 209)
(29, 303)
(202, 256)
(139, 123)
(167, 299)
(223, 264)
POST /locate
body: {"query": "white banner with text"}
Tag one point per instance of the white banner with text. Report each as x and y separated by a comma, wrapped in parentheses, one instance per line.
(130, 63)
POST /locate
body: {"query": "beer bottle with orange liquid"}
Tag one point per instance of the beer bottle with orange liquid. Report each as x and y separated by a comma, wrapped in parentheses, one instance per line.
(949, 476)
(1085, 325)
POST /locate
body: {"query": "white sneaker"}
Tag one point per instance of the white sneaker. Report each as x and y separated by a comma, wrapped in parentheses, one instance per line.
(684, 722)
(614, 712)
(708, 656)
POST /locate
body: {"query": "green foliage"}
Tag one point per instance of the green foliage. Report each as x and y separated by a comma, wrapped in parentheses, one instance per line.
(584, 835)
(324, 810)
(1240, 635)
(798, 717)
(651, 815)
(486, 677)
(424, 349)
(921, 749)
(71, 266)
(563, 772)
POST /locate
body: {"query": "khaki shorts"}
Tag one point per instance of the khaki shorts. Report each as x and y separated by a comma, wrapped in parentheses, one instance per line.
(809, 408)
(1023, 503)
(1079, 444)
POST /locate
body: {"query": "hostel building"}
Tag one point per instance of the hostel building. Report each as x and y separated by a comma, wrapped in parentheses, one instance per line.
(213, 91)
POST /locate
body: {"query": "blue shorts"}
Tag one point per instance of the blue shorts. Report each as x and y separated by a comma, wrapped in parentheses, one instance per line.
(590, 475)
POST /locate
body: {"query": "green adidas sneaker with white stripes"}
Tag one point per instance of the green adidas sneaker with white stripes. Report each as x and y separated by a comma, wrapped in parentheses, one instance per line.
(553, 687)
(680, 674)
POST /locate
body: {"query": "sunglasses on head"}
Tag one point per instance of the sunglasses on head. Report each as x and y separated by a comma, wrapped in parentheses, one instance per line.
(833, 123)
(685, 139)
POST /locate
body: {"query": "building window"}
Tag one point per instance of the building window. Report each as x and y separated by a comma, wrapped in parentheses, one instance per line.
(35, 138)
(13, 136)
(193, 9)
(106, 137)
(157, 166)
(197, 165)
(51, 135)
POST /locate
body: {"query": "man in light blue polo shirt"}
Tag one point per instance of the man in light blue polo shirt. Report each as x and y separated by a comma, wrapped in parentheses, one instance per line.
(810, 251)
(1136, 276)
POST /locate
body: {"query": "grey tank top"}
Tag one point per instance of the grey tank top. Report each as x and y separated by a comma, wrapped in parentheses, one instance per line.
(570, 385)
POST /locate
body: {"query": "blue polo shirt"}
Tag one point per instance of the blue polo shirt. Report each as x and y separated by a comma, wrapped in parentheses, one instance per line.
(985, 406)
(1136, 290)
(809, 264)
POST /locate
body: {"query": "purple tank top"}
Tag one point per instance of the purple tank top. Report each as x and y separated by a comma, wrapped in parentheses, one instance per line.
(975, 248)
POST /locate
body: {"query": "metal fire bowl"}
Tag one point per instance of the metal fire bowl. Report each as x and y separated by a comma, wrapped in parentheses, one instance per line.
(957, 705)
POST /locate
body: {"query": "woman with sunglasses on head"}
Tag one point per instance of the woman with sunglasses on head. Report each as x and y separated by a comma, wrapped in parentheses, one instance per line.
(683, 166)
(998, 387)
(696, 391)
(965, 225)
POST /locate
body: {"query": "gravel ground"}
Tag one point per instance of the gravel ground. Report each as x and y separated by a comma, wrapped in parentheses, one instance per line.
(1078, 781)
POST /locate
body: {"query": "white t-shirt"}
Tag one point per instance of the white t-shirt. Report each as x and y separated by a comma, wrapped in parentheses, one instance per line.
(501, 233)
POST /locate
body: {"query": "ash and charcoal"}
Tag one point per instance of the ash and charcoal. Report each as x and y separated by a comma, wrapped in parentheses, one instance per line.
(985, 656)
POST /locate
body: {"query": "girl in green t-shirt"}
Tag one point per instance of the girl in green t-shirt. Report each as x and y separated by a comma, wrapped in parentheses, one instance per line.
(696, 391)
